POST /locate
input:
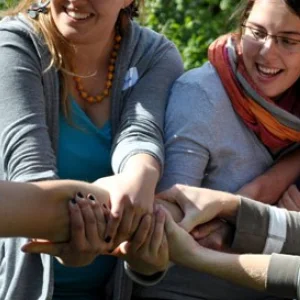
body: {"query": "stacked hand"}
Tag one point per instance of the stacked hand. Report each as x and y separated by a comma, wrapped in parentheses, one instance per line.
(130, 200)
(146, 251)
(147, 248)
(290, 200)
(88, 221)
(204, 206)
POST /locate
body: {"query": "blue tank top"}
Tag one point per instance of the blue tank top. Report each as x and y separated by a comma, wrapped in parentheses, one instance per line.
(83, 154)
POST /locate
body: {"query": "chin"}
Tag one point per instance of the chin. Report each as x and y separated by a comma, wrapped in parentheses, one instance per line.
(272, 95)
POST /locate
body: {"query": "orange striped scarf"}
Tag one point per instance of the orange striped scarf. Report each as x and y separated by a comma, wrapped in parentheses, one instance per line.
(271, 130)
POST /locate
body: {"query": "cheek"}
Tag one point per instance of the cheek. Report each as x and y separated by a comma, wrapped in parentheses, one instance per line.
(293, 65)
(250, 51)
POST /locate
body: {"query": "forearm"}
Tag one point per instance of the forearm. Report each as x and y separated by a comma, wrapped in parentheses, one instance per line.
(277, 274)
(247, 270)
(144, 164)
(40, 209)
(268, 187)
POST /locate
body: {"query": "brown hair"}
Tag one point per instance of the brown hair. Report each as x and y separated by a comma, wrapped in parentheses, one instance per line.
(245, 8)
(60, 49)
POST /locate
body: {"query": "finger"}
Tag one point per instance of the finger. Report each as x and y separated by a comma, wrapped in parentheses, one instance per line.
(280, 204)
(170, 225)
(115, 217)
(174, 209)
(77, 231)
(54, 249)
(89, 219)
(206, 229)
(190, 220)
(141, 235)
(288, 203)
(294, 195)
(164, 244)
(100, 219)
(135, 223)
(220, 239)
(106, 212)
(158, 231)
(123, 231)
(168, 195)
(122, 251)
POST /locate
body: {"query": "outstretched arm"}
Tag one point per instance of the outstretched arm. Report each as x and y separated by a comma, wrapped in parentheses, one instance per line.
(40, 209)
(277, 274)
(271, 185)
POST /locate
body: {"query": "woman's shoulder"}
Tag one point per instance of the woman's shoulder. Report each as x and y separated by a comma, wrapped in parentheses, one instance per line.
(151, 41)
(202, 93)
(17, 24)
(203, 77)
(202, 82)
(148, 50)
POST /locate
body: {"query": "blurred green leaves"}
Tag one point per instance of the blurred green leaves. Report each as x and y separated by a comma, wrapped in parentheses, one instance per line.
(191, 24)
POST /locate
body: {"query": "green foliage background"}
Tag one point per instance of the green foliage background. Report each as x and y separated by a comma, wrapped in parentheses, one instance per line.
(191, 24)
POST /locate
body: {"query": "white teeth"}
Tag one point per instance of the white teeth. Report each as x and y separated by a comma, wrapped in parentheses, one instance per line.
(77, 15)
(268, 71)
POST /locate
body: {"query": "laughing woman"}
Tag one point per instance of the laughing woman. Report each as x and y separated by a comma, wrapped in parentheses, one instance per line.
(83, 92)
(228, 121)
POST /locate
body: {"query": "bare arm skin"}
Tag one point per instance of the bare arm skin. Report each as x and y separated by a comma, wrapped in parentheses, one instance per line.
(40, 209)
(248, 270)
(270, 186)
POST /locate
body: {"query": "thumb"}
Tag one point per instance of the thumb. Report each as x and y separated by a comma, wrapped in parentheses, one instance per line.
(122, 250)
(168, 195)
(54, 249)
(190, 220)
(169, 222)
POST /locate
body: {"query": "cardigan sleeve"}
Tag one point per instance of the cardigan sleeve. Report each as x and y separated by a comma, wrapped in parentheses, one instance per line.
(283, 276)
(263, 228)
(25, 146)
(142, 118)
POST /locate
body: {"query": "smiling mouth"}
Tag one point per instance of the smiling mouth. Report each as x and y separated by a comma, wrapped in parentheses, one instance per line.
(267, 72)
(79, 16)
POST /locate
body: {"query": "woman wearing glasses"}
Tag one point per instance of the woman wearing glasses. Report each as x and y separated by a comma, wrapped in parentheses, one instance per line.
(228, 122)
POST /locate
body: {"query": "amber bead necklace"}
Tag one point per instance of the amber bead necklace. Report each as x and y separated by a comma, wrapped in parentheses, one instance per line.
(109, 78)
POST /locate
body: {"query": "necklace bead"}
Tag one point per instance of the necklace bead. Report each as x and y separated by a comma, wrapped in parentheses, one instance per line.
(109, 78)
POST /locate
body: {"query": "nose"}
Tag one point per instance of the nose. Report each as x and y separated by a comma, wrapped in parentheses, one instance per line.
(269, 47)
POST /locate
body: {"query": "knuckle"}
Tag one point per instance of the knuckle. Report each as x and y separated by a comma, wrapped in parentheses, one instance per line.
(116, 216)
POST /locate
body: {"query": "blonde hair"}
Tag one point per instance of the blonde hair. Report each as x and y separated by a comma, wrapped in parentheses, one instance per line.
(61, 50)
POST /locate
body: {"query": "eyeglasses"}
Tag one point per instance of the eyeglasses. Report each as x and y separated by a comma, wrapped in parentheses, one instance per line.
(259, 36)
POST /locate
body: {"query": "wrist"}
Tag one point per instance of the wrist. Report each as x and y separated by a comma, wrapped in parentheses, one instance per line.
(230, 204)
(143, 164)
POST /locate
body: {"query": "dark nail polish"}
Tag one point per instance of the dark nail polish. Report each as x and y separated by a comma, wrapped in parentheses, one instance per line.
(91, 197)
(79, 195)
(73, 201)
(107, 239)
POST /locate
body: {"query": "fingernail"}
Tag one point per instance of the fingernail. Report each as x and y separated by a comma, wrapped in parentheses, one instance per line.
(91, 197)
(73, 201)
(107, 239)
(79, 195)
